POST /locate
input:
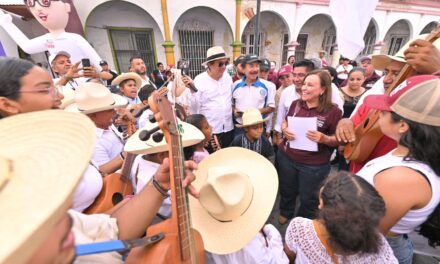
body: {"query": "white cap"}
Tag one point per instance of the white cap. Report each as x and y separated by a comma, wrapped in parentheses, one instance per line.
(52, 57)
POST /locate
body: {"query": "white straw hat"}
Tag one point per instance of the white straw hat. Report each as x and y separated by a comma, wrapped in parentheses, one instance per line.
(128, 76)
(191, 135)
(252, 116)
(94, 97)
(43, 156)
(214, 53)
(238, 188)
(380, 62)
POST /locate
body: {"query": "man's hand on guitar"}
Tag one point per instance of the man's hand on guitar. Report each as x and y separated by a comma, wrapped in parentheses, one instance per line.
(423, 56)
(345, 131)
(163, 176)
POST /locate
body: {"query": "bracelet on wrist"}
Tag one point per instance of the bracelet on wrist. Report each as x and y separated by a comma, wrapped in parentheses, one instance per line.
(122, 156)
(162, 190)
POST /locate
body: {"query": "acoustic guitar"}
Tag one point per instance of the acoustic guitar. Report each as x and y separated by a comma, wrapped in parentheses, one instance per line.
(181, 243)
(115, 185)
(368, 133)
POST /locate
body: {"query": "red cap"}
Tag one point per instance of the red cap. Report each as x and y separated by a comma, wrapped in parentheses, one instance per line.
(386, 102)
(285, 70)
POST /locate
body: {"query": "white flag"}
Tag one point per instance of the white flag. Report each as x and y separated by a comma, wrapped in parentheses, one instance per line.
(351, 18)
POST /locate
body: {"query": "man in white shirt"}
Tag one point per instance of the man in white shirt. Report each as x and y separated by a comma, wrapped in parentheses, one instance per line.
(69, 75)
(98, 103)
(214, 96)
(138, 66)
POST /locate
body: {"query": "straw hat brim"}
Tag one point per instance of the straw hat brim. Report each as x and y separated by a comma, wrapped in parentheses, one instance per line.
(119, 101)
(128, 76)
(380, 62)
(190, 136)
(205, 63)
(49, 151)
(228, 237)
(253, 123)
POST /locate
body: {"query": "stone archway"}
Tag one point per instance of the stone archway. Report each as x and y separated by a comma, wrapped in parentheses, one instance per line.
(119, 30)
(318, 33)
(396, 37)
(198, 29)
(428, 28)
(274, 35)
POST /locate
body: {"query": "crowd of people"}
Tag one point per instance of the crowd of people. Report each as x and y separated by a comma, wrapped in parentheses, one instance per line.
(257, 134)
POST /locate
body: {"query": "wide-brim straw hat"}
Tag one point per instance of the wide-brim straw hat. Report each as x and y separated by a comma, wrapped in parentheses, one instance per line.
(251, 117)
(225, 237)
(191, 135)
(95, 97)
(380, 62)
(215, 53)
(128, 76)
(43, 156)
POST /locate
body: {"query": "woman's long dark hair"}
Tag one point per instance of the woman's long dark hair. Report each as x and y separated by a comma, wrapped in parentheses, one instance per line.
(423, 143)
(12, 71)
(351, 212)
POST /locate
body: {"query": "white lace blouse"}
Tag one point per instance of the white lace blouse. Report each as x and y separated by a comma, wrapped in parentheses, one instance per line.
(302, 239)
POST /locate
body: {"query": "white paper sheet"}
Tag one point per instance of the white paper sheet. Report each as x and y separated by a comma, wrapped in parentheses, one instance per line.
(300, 126)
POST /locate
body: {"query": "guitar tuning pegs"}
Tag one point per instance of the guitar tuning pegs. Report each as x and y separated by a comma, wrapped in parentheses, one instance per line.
(145, 135)
(157, 137)
(152, 119)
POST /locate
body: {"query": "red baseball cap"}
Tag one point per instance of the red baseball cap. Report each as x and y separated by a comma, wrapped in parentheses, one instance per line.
(285, 70)
(417, 99)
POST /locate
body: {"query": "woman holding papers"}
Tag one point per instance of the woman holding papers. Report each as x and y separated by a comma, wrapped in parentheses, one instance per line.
(303, 159)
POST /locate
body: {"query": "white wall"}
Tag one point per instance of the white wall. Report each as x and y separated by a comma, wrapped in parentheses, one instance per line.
(119, 14)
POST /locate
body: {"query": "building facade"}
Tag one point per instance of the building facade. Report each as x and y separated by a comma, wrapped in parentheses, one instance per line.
(166, 30)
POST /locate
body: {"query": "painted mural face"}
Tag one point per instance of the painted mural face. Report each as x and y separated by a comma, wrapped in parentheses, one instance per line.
(53, 17)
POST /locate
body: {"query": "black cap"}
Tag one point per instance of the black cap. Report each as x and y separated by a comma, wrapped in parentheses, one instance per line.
(103, 62)
(239, 60)
(265, 64)
(250, 58)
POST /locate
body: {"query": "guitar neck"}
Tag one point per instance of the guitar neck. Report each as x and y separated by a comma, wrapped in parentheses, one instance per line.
(126, 167)
(187, 247)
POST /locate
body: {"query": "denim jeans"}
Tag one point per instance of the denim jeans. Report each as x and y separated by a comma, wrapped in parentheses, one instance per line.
(299, 179)
(402, 248)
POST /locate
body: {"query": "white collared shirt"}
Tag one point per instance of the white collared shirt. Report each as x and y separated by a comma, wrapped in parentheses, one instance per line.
(108, 146)
(287, 97)
(132, 101)
(214, 101)
(145, 170)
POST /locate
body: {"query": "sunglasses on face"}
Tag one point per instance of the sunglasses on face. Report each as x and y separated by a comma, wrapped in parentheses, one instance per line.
(223, 63)
(43, 3)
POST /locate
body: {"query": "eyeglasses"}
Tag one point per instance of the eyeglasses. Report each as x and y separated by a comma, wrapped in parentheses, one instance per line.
(221, 64)
(43, 3)
(51, 90)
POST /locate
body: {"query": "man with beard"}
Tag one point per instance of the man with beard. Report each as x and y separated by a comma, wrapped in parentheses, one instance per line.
(138, 66)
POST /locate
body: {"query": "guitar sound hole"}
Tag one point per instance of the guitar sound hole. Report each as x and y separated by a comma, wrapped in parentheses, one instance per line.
(366, 122)
(117, 198)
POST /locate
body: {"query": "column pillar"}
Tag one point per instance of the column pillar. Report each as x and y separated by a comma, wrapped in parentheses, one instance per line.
(336, 56)
(168, 44)
(291, 48)
(378, 47)
(236, 45)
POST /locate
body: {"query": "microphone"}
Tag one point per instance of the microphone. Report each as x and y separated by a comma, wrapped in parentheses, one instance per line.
(191, 85)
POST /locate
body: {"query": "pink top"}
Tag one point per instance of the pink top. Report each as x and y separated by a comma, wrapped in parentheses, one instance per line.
(198, 156)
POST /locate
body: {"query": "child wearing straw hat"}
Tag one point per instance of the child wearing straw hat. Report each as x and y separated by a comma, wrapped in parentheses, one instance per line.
(253, 138)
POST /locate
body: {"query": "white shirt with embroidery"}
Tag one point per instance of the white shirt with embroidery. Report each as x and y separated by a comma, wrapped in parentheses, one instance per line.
(302, 239)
